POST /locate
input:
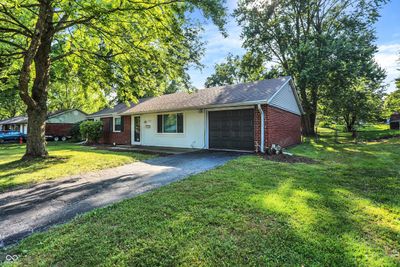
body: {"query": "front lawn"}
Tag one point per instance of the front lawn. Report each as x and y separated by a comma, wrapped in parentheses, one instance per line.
(343, 210)
(368, 132)
(65, 159)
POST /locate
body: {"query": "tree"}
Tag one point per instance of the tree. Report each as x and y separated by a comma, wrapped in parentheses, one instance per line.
(392, 103)
(10, 103)
(122, 47)
(236, 69)
(67, 90)
(303, 37)
(361, 101)
(353, 89)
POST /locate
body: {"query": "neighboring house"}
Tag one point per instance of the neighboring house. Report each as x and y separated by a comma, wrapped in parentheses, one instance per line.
(395, 121)
(57, 124)
(249, 116)
(19, 123)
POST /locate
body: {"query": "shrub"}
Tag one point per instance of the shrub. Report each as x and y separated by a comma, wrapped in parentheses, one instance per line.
(76, 132)
(91, 130)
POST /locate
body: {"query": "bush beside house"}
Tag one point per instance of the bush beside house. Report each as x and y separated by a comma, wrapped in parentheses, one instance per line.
(91, 131)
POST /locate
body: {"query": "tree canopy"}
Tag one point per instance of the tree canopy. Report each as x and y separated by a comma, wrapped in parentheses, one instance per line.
(392, 103)
(236, 69)
(115, 47)
(305, 38)
(10, 102)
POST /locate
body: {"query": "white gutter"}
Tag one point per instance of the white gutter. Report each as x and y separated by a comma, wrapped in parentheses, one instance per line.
(262, 128)
(208, 107)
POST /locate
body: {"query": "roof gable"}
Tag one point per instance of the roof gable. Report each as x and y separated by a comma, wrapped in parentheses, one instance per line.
(286, 98)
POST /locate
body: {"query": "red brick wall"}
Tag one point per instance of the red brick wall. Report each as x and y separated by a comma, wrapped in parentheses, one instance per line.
(59, 129)
(119, 138)
(283, 128)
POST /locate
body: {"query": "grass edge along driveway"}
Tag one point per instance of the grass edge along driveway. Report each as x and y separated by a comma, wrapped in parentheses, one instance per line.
(342, 211)
(65, 159)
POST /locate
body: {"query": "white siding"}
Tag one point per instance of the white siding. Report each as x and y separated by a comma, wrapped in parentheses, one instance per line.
(192, 136)
(23, 128)
(72, 116)
(286, 100)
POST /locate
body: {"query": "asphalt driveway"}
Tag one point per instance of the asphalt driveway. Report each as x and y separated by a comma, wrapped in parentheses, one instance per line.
(24, 211)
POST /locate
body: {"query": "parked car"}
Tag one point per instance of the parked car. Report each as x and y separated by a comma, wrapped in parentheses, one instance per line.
(11, 136)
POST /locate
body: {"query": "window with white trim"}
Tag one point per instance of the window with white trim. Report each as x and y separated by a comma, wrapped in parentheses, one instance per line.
(118, 124)
(170, 123)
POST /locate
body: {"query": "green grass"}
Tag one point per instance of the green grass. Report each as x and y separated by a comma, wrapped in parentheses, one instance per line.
(65, 159)
(343, 210)
(373, 127)
(369, 132)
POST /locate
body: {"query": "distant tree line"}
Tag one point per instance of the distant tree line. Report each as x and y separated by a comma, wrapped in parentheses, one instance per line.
(61, 54)
(328, 46)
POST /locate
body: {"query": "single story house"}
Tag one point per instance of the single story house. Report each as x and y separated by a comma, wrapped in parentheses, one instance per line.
(58, 123)
(246, 117)
(395, 121)
(19, 123)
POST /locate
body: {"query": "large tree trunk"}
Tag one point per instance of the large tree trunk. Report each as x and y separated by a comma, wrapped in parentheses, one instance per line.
(36, 142)
(309, 124)
(36, 101)
(310, 108)
(349, 127)
(350, 122)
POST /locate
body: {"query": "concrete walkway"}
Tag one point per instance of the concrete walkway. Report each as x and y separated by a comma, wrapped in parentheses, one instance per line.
(24, 211)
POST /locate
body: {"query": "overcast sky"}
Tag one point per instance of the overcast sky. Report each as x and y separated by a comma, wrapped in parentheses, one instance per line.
(218, 47)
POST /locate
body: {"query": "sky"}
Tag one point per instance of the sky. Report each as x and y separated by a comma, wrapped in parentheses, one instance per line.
(217, 47)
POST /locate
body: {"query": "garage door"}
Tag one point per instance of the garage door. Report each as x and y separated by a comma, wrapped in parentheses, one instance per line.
(231, 129)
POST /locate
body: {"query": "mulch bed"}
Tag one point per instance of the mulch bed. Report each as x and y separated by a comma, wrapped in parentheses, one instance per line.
(290, 159)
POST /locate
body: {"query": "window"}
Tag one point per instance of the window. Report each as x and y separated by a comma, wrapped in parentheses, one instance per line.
(118, 124)
(170, 123)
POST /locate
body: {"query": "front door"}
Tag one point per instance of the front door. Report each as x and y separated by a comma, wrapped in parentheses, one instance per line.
(136, 138)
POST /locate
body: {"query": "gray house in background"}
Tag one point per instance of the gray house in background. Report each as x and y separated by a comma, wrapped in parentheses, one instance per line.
(58, 123)
(19, 123)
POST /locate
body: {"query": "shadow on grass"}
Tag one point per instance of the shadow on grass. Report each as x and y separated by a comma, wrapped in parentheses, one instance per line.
(331, 215)
(216, 219)
(343, 212)
(25, 167)
(371, 169)
(9, 171)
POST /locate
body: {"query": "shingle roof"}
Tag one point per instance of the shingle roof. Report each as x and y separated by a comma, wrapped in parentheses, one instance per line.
(15, 120)
(259, 91)
(121, 107)
(24, 119)
(62, 111)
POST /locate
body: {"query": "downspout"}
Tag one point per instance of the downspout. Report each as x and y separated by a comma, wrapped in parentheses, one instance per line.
(262, 128)
(205, 129)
